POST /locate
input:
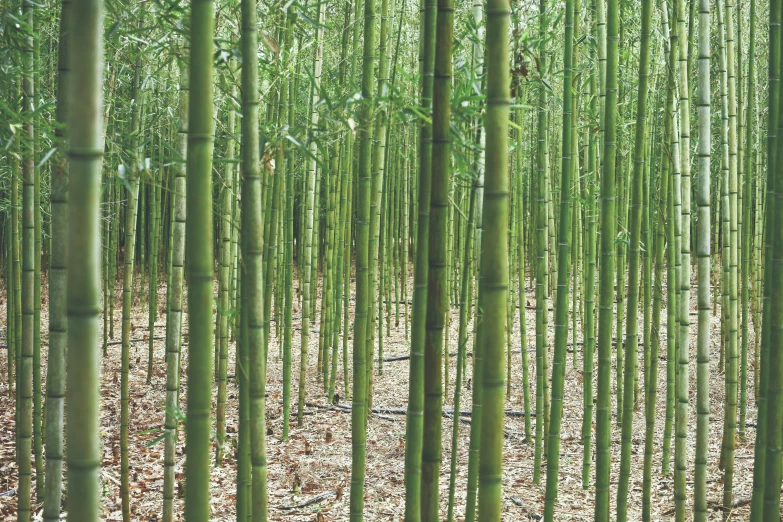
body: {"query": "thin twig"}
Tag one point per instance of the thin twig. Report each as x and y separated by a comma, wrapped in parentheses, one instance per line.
(310, 502)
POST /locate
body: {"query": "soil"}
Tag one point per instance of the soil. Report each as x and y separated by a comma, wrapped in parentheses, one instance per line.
(316, 460)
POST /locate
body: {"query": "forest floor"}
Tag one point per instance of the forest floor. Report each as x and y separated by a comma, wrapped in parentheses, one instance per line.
(308, 465)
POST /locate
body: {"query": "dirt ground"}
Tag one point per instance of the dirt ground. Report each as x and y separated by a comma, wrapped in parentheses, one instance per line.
(296, 475)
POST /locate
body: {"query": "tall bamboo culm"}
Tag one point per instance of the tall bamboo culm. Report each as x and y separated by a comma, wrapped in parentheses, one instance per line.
(773, 387)
(703, 266)
(199, 247)
(85, 153)
(58, 280)
(632, 325)
(176, 284)
(359, 411)
(757, 505)
(414, 425)
(131, 208)
(24, 375)
(563, 273)
(494, 263)
(606, 269)
(437, 286)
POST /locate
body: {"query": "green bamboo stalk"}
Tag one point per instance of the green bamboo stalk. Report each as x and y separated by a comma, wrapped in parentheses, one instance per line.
(703, 260)
(437, 296)
(343, 227)
(244, 462)
(327, 304)
(176, 282)
(113, 253)
(324, 338)
(9, 278)
(224, 309)
(774, 355)
(465, 288)
(651, 377)
(680, 387)
(606, 271)
(234, 277)
(725, 217)
(647, 252)
(289, 283)
(770, 420)
(16, 222)
(58, 280)
(576, 213)
(337, 262)
(347, 221)
(143, 232)
(363, 297)
(252, 296)
(309, 220)
(37, 249)
(757, 277)
(273, 217)
(377, 165)
(732, 352)
(477, 398)
(83, 450)
(477, 66)
(405, 240)
(757, 505)
(589, 296)
(127, 292)
(743, 229)
(24, 405)
(521, 267)
(672, 169)
(12, 259)
(542, 258)
(681, 428)
(747, 265)
(414, 426)
(563, 273)
(511, 305)
(383, 244)
(199, 268)
(494, 262)
(155, 208)
(632, 325)
(106, 265)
